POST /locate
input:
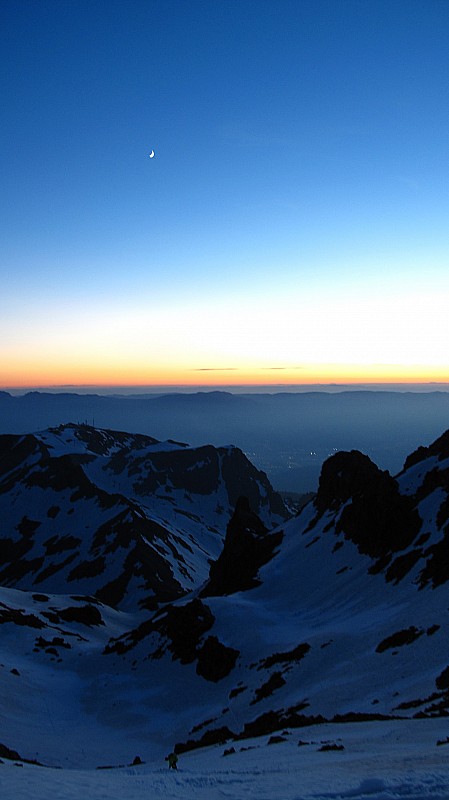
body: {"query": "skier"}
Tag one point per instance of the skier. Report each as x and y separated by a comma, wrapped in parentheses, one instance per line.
(172, 759)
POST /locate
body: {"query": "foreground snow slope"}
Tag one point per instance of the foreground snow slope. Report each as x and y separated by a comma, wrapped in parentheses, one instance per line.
(379, 761)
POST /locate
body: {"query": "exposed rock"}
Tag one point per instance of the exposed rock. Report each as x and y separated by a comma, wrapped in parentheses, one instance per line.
(215, 661)
(86, 615)
(291, 656)
(56, 641)
(273, 721)
(7, 752)
(442, 682)
(101, 497)
(184, 626)
(329, 747)
(436, 570)
(354, 716)
(402, 565)
(13, 755)
(178, 629)
(398, 639)
(344, 475)
(19, 617)
(376, 517)
(438, 448)
(238, 690)
(215, 736)
(248, 546)
(277, 739)
(275, 681)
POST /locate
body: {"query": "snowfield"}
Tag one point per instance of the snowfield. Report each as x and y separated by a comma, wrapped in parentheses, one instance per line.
(348, 620)
(379, 761)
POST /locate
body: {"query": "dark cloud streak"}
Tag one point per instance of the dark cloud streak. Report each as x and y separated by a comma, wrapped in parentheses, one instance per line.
(215, 369)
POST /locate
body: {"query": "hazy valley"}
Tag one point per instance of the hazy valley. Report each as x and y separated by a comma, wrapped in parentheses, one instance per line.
(287, 435)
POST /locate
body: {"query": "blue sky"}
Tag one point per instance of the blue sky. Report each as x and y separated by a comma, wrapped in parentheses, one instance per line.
(295, 214)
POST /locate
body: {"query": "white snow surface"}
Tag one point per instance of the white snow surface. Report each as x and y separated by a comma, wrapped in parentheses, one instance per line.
(75, 709)
(391, 760)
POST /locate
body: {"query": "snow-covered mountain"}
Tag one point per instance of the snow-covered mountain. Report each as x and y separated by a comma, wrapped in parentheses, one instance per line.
(124, 517)
(338, 614)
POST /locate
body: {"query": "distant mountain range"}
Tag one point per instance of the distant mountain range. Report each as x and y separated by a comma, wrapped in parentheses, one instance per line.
(287, 435)
(155, 594)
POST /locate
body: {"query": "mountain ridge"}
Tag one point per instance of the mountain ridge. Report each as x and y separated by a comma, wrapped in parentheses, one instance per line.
(74, 496)
(344, 618)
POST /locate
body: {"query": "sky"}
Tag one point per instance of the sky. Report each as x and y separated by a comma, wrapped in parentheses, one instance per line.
(292, 226)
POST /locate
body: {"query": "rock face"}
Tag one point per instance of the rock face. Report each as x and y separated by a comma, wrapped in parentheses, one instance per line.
(338, 614)
(375, 516)
(248, 546)
(342, 476)
(439, 448)
(123, 517)
(382, 515)
(180, 630)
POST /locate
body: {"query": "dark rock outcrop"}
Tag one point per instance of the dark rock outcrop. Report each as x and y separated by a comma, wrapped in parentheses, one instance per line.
(183, 626)
(375, 516)
(342, 476)
(400, 638)
(438, 448)
(180, 630)
(248, 546)
(215, 660)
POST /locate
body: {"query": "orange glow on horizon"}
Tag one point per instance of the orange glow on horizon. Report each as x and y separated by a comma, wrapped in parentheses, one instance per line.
(308, 374)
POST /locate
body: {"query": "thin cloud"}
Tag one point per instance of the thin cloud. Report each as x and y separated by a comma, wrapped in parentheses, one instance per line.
(215, 369)
(238, 369)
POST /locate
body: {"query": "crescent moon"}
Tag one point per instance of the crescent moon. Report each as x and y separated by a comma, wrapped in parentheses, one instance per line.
(152, 154)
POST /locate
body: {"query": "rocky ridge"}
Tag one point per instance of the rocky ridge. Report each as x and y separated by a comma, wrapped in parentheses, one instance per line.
(123, 517)
(340, 613)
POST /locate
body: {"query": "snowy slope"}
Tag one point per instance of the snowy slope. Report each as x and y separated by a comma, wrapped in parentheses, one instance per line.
(340, 625)
(347, 618)
(376, 761)
(121, 516)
